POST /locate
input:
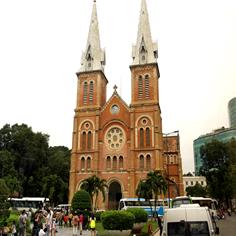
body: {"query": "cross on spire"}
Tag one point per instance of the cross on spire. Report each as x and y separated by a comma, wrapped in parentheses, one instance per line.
(115, 88)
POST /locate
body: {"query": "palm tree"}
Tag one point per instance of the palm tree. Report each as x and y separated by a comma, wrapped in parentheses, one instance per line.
(93, 185)
(157, 184)
(100, 186)
(144, 191)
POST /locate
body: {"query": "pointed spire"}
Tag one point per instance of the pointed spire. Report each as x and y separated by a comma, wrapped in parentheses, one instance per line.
(145, 51)
(93, 58)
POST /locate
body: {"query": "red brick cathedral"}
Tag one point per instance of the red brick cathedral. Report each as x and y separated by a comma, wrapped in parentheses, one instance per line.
(116, 141)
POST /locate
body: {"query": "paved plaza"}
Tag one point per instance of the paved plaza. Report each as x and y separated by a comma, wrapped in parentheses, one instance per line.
(227, 228)
(68, 232)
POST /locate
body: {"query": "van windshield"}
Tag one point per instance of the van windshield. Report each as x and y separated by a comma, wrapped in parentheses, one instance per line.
(199, 228)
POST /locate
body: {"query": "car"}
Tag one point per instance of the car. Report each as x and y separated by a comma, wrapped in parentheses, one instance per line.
(189, 219)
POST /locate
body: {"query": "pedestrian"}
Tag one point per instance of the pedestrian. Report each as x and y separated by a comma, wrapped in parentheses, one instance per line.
(65, 219)
(70, 218)
(42, 232)
(13, 229)
(36, 224)
(92, 224)
(5, 230)
(75, 221)
(49, 222)
(81, 221)
(22, 223)
(159, 222)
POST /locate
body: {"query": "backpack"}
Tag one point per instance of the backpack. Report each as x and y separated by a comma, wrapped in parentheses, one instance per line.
(92, 224)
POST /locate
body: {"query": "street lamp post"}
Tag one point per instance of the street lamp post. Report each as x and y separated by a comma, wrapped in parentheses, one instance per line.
(167, 162)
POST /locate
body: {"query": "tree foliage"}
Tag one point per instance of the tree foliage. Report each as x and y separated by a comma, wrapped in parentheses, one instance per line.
(81, 201)
(196, 191)
(155, 184)
(218, 160)
(94, 185)
(30, 167)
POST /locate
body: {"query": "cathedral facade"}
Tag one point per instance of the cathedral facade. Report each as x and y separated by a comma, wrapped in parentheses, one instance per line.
(115, 141)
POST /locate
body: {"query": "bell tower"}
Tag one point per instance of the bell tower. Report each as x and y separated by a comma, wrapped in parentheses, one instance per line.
(145, 109)
(91, 97)
(92, 82)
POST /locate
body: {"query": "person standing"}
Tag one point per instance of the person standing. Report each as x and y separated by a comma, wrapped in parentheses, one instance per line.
(75, 221)
(92, 223)
(159, 222)
(13, 229)
(81, 221)
(22, 223)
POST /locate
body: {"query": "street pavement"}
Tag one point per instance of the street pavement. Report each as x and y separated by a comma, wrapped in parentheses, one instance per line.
(228, 225)
(68, 232)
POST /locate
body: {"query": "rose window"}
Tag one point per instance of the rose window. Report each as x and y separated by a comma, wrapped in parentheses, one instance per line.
(115, 138)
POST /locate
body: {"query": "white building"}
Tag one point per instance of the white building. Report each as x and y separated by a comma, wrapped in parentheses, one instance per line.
(190, 181)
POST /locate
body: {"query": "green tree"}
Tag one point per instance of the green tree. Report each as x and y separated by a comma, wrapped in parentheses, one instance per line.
(94, 185)
(81, 201)
(27, 163)
(143, 190)
(157, 184)
(154, 185)
(216, 167)
(4, 205)
(196, 191)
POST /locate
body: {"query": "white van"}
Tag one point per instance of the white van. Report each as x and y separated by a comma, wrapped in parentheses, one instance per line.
(189, 219)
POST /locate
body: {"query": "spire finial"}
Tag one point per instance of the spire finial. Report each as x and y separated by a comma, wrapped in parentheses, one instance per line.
(145, 51)
(115, 88)
(93, 57)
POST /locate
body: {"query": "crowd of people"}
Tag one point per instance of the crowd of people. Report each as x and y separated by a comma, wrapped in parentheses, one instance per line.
(46, 222)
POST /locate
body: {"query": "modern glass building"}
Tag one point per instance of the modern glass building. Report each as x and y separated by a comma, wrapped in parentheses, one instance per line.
(222, 135)
(232, 112)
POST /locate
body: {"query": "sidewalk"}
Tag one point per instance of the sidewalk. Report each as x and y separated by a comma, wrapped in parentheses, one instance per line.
(68, 232)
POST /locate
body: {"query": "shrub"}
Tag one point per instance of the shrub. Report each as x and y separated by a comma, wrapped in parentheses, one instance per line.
(98, 215)
(117, 220)
(139, 214)
(81, 201)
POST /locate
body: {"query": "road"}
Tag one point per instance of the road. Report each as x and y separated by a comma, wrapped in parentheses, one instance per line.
(228, 225)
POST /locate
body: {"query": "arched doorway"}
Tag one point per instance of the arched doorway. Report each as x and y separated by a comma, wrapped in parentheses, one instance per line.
(114, 195)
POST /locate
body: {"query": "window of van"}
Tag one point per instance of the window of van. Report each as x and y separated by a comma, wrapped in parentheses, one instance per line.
(199, 228)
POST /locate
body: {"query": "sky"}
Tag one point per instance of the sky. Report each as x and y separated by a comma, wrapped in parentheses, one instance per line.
(41, 44)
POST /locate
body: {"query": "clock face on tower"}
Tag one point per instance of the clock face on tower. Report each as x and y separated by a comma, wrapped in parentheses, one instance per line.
(115, 109)
(115, 138)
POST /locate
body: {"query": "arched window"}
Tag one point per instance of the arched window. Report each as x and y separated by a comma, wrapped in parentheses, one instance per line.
(120, 162)
(146, 82)
(91, 92)
(141, 143)
(108, 162)
(140, 87)
(84, 140)
(82, 163)
(148, 138)
(85, 92)
(114, 162)
(148, 162)
(89, 140)
(141, 162)
(88, 163)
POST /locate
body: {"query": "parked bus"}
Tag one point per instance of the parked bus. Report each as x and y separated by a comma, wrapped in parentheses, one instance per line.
(147, 205)
(176, 202)
(27, 203)
(63, 207)
(212, 204)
